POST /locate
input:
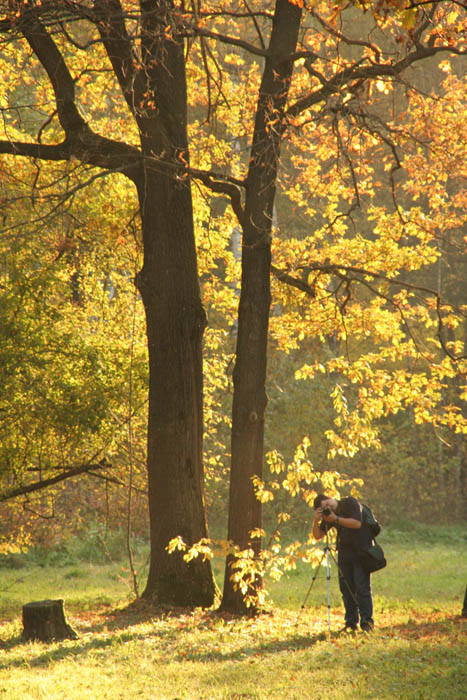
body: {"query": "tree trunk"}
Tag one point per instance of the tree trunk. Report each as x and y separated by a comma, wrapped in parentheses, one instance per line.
(249, 400)
(462, 446)
(44, 620)
(175, 320)
(175, 324)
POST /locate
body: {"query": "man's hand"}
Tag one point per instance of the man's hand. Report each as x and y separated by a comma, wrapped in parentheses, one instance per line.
(331, 518)
(317, 517)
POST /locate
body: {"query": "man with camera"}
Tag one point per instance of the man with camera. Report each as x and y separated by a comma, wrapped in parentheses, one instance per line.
(346, 516)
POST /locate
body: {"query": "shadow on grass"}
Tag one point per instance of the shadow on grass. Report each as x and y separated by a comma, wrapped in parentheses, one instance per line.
(117, 625)
(425, 628)
(52, 654)
(74, 650)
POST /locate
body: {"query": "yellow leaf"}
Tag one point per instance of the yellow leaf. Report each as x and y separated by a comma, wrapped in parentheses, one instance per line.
(409, 18)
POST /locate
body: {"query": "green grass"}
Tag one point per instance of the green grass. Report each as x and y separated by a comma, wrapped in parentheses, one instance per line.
(417, 651)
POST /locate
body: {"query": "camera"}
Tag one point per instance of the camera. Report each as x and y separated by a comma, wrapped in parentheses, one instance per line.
(326, 511)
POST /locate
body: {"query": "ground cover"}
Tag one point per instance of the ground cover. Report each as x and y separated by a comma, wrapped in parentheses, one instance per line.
(125, 650)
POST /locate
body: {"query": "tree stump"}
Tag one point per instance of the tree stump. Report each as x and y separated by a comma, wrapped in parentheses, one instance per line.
(44, 620)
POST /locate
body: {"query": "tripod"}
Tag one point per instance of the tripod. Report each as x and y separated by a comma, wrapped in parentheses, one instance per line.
(327, 552)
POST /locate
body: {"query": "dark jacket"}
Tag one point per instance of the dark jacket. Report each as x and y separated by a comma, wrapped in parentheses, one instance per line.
(349, 541)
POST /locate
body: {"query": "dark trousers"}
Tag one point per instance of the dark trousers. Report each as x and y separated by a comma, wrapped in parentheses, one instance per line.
(355, 587)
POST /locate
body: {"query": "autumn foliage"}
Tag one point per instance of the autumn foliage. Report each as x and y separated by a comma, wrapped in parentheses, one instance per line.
(317, 162)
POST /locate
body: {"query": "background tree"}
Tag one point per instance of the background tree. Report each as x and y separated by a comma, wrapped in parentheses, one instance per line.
(70, 386)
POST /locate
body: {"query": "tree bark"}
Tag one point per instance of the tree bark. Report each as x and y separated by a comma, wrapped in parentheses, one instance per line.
(249, 400)
(175, 324)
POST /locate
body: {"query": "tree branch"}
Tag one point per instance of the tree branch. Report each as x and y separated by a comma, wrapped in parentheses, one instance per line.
(357, 72)
(54, 152)
(98, 151)
(80, 141)
(60, 78)
(224, 187)
(231, 40)
(351, 42)
(342, 271)
(421, 3)
(110, 23)
(217, 182)
(118, 482)
(45, 483)
(283, 276)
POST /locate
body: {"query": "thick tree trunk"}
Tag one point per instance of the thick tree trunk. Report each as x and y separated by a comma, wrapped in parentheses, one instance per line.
(462, 447)
(175, 321)
(249, 401)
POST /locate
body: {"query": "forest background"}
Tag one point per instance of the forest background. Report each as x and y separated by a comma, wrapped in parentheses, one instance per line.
(366, 366)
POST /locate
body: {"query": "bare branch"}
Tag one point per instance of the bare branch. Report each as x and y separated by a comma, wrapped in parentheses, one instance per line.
(351, 42)
(257, 27)
(237, 15)
(99, 151)
(231, 40)
(60, 78)
(421, 3)
(56, 152)
(118, 482)
(341, 148)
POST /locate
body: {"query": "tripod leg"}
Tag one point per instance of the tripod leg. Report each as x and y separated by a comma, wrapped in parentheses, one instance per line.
(311, 585)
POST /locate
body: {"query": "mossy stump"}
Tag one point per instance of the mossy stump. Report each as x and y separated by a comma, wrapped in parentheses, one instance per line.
(44, 621)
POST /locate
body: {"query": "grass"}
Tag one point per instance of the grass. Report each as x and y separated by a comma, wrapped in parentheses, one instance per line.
(417, 651)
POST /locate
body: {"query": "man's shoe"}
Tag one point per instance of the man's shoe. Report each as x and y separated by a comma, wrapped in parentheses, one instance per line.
(348, 629)
(367, 627)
